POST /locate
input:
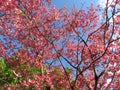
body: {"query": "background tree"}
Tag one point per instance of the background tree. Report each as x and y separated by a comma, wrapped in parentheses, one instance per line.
(60, 49)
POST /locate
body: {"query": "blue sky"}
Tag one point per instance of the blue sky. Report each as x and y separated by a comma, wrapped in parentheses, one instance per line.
(78, 3)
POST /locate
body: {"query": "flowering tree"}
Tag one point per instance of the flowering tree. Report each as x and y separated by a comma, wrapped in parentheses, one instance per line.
(57, 49)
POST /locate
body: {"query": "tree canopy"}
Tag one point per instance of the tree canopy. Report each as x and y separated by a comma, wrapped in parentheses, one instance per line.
(46, 48)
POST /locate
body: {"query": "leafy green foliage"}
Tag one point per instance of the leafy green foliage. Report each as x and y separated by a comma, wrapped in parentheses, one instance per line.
(33, 69)
(6, 74)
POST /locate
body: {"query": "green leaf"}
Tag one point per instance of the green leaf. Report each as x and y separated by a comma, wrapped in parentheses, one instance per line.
(67, 69)
(42, 70)
(15, 80)
(3, 65)
(23, 65)
(21, 14)
(62, 88)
